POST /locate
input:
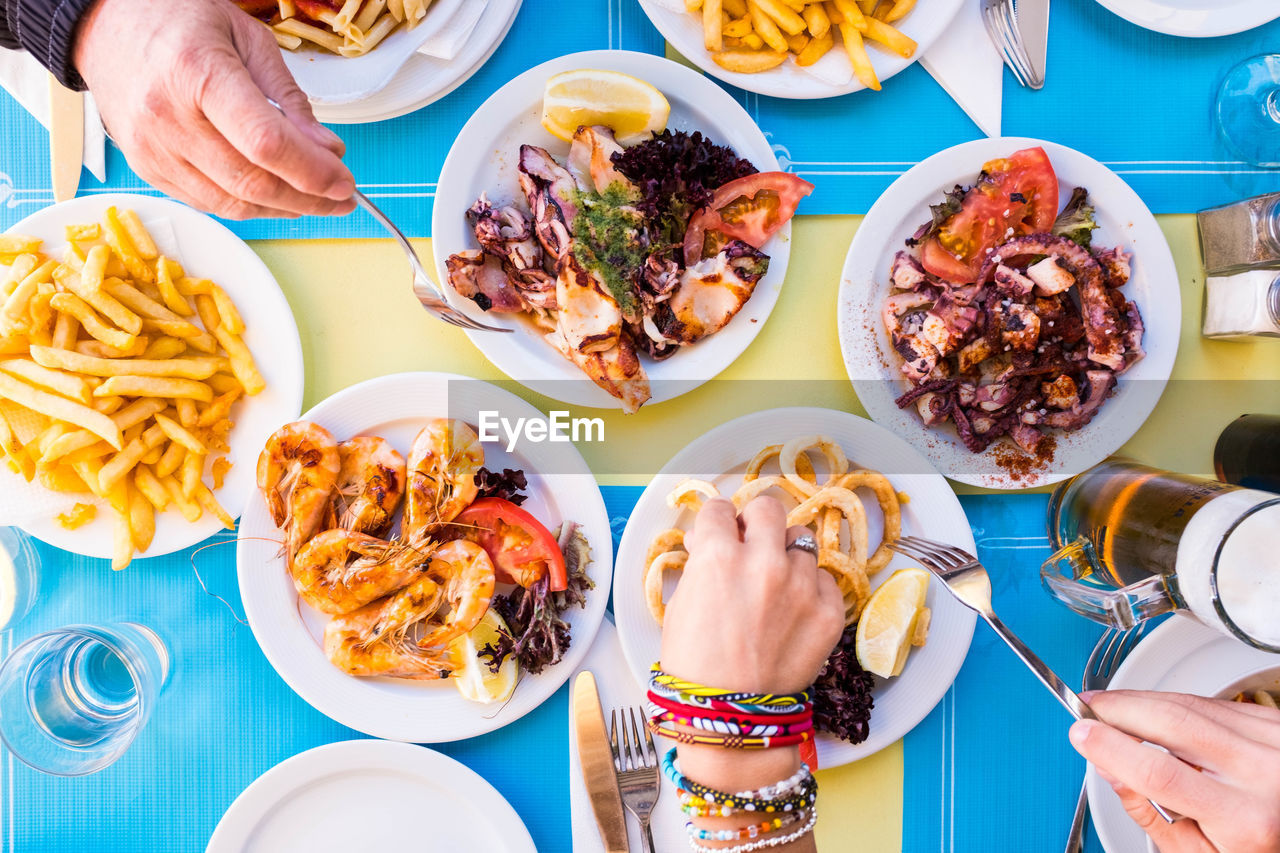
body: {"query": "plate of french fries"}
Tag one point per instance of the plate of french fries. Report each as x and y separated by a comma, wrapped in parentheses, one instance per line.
(854, 484)
(343, 52)
(802, 48)
(145, 355)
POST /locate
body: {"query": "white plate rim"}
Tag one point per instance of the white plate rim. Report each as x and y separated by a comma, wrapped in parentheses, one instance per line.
(864, 279)
(262, 303)
(379, 716)
(372, 108)
(540, 368)
(635, 625)
(1191, 23)
(248, 809)
(1155, 659)
(682, 31)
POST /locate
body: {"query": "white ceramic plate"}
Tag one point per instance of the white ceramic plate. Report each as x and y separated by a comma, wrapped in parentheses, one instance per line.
(561, 487)
(933, 511)
(209, 250)
(328, 78)
(370, 795)
(484, 159)
(423, 80)
(1179, 656)
(684, 31)
(1196, 18)
(874, 366)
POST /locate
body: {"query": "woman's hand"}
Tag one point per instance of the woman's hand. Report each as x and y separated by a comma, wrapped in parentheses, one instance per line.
(1231, 805)
(183, 90)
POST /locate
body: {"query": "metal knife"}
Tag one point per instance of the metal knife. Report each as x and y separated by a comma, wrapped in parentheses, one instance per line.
(66, 139)
(597, 764)
(1033, 24)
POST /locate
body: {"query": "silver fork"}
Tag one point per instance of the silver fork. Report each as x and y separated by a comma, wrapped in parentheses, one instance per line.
(1109, 652)
(1002, 27)
(969, 582)
(636, 765)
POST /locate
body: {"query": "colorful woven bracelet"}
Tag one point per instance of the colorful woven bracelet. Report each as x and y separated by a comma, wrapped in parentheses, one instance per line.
(746, 833)
(781, 796)
(691, 688)
(727, 725)
(760, 843)
(685, 736)
(670, 704)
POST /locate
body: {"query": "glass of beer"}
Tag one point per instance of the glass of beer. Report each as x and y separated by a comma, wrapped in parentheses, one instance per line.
(1135, 542)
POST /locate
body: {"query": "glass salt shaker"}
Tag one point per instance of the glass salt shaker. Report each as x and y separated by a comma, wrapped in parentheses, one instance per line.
(1243, 305)
(1241, 236)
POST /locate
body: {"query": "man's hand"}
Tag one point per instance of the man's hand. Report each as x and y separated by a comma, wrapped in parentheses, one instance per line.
(183, 90)
(1225, 777)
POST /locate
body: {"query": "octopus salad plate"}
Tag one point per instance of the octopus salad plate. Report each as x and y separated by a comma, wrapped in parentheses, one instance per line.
(824, 466)
(1011, 309)
(582, 247)
(374, 616)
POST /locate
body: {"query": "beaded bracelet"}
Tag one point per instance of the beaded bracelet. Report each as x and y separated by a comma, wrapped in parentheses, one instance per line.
(728, 725)
(681, 735)
(670, 704)
(658, 678)
(695, 806)
(745, 833)
(766, 799)
(760, 843)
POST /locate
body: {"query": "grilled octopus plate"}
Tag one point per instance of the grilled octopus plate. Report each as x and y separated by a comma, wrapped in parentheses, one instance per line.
(486, 160)
(876, 367)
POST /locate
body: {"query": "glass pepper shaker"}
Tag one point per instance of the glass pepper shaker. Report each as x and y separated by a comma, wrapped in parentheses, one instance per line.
(1241, 236)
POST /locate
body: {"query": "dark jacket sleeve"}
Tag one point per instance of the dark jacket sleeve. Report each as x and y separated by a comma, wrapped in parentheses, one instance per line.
(46, 29)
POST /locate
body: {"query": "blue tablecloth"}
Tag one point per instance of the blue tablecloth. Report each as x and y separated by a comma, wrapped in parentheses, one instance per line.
(1136, 100)
(992, 754)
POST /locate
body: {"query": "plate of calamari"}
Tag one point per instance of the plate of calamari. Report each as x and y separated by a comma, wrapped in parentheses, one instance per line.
(857, 487)
(625, 217)
(412, 581)
(1011, 308)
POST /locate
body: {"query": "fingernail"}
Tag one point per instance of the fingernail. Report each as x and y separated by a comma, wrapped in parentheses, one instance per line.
(1088, 695)
(341, 189)
(1079, 733)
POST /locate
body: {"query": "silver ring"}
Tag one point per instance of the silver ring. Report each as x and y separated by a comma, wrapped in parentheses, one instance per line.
(805, 542)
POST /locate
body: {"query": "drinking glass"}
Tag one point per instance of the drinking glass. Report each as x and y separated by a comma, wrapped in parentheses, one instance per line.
(1248, 110)
(73, 700)
(19, 575)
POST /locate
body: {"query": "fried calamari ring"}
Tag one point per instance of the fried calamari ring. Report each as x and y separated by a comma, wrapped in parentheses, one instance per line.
(829, 529)
(855, 587)
(849, 505)
(654, 574)
(803, 466)
(887, 497)
(789, 460)
(692, 494)
(752, 489)
(667, 540)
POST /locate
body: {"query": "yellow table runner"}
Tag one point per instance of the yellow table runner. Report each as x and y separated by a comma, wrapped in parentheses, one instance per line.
(359, 319)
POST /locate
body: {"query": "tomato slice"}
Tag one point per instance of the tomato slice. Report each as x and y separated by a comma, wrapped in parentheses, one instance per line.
(521, 548)
(1014, 196)
(750, 209)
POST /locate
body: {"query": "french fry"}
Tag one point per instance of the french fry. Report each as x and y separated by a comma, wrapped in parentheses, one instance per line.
(180, 368)
(94, 269)
(66, 384)
(106, 405)
(224, 383)
(190, 509)
(219, 409)
(749, 61)
(65, 330)
(188, 415)
(798, 43)
(124, 461)
(164, 348)
(170, 460)
(179, 435)
(97, 349)
(712, 35)
(735, 8)
(208, 311)
(54, 406)
(891, 37)
(118, 238)
(165, 282)
(149, 487)
(101, 302)
(787, 19)
(78, 308)
(15, 345)
(142, 520)
(766, 28)
(152, 456)
(80, 233)
(815, 50)
(154, 386)
(17, 244)
(231, 319)
(138, 234)
(242, 365)
(862, 68)
(191, 471)
(210, 503)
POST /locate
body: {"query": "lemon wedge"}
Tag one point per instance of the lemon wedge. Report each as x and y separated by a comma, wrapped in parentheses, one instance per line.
(888, 624)
(628, 105)
(473, 678)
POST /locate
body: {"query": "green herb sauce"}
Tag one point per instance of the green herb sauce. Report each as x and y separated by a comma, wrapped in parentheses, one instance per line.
(608, 233)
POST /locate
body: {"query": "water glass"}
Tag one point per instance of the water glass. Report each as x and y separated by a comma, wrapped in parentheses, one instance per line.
(19, 575)
(1248, 110)
(73, 700)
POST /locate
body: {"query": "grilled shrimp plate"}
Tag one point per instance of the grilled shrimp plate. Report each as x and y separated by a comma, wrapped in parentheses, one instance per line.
(340, 570)
(297, 473)
(443, 462)
(378, 638)
(370, 484)
(466, 574)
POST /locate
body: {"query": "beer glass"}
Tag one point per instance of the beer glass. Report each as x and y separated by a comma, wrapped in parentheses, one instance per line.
(1134, 542)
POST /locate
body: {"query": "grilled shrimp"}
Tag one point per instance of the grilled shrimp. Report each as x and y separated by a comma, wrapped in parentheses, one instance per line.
(466, 574)
(378, 638)
(370, 485)
(297, 473)
(443, 463)
(340, 570)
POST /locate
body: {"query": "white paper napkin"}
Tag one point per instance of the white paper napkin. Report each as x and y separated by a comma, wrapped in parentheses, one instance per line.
(617, 689)
(969, 68)
(449, 41)
(28, 82)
